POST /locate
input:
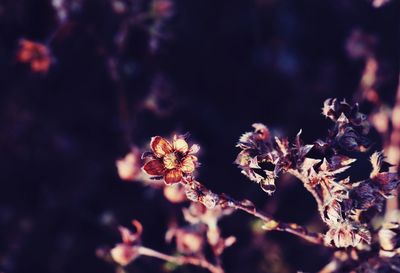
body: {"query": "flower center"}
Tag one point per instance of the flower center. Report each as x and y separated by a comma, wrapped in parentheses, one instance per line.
(171, 161)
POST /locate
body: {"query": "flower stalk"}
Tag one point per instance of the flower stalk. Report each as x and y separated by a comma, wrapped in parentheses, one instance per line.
(180, 260)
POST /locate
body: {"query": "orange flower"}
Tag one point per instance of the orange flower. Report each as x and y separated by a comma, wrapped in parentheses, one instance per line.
(36, 54)
(171, 161)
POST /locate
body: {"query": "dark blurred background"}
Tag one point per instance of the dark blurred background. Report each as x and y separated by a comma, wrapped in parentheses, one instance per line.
(212, 69)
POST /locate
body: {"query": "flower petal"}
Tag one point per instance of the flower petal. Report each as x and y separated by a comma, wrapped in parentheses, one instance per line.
(180, 145)
(188, 164)
(154, 167)
(194, 149)
(173, 176)
(160, 146)
(123, 254)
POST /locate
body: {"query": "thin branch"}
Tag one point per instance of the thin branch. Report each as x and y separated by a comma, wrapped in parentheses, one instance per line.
(393, 153)
(295, 229)
(270, 223)
(308, 187)
(339, 259)
(180, 260)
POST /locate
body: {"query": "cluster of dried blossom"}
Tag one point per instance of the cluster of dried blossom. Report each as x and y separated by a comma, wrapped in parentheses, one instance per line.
(346, 206)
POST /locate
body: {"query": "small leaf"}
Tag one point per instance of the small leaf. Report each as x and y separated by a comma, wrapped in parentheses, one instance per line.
(376, 160)
(270, 225)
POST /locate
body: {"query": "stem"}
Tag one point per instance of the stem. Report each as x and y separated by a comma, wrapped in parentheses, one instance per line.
(226, 201)
(393, 153)
(339, 258)
(302, 232)
(307, 185)
(180, 260)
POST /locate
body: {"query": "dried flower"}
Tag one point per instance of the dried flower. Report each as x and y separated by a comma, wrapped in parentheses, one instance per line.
(192, 193)
(171, 161)
(351, 126)
(210, 200)
(262, 158)
(36, 54)
(346, 234)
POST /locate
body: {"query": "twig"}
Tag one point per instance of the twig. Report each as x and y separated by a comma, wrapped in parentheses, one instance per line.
(270, 222)
(295, 229)
(393, 153)
(308, 187)
(180, 260)
(339, 259)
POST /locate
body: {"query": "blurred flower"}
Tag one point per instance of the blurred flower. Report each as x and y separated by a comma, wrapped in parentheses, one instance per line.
(64, 8)
(60, 7)
(360, 44)
(189, 240)
(369, 76)
(196, 192)
(129, 167)
(171, 161)
(175, 193)
(127, 251)
(389, 239)
(198, 214)
(123, 254)
(161, 11)
(162, 8)
(36, 54)
(119, 7)
(379, 3)
(160, 99)
(380, 120)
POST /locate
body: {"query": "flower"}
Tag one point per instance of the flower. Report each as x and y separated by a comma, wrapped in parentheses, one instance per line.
(351, 126)
(389, 239)
(129, 166)
(210, 200)
(172, 161)
(263, 157)
(162, 8)
(345, 234)
(198, 214)
(175, 193)
(125, 252)
(36, 54)
(189, 239)
(258, 158)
